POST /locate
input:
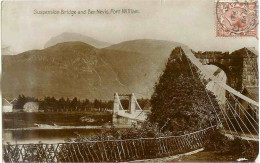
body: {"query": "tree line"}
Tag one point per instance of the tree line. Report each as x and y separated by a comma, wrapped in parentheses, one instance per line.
(51, 103)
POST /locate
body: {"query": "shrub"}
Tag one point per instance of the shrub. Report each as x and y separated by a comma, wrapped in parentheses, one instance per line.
(237, 147)
(217, 141)
(243, 148)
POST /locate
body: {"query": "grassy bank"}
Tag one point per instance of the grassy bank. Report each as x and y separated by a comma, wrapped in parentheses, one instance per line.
(22, 119)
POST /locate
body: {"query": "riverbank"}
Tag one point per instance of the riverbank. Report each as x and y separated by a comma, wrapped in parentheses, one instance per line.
(209, 156)
(165, 159)
(199, 155)
(67, 127)
(54, 128)
(54, 119)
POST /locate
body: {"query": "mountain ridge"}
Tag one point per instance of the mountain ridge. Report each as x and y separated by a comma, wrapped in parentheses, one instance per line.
(77, 69)
(71, 36)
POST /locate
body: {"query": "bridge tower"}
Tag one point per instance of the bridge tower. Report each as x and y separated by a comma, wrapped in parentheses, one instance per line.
(132, 105)
(133, 114)
(241, 66)
(250, 69)
(116, 106)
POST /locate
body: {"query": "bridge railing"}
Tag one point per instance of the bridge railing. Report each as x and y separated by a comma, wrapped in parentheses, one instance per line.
(106, 151)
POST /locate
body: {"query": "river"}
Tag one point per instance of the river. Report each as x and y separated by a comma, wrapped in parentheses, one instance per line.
(44, 135)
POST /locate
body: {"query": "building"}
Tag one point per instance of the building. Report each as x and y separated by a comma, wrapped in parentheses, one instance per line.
(6, 106)
(31, 107)
(252, 93)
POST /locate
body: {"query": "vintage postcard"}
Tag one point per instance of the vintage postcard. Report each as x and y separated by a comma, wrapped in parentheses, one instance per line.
(129, 80)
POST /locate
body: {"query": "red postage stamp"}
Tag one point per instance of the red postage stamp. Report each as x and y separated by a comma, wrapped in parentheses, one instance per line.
(236, 18)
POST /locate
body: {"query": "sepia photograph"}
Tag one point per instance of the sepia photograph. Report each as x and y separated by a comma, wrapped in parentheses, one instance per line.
(129, 81)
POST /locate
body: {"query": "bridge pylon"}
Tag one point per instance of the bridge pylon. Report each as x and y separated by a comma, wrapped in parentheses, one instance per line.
(116, 103)
(132, 105)
(126, 117)
(116, 107)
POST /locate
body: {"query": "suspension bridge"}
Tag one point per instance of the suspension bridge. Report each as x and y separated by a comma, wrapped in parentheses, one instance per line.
(238, 117)
(125, 117)
(239, 114)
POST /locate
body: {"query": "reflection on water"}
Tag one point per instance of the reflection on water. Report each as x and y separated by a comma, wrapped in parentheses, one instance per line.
(45, 136)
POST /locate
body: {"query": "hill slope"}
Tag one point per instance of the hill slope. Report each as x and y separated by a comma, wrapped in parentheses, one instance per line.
(76, 69)
(66, 69)
(156, 52)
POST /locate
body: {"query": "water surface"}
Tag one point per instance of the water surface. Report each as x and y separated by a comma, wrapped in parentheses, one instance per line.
(45, 136)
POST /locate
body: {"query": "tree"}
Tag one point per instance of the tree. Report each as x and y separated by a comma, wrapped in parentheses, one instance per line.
(86, 103)
(180, 101)
(125, 104)
(67, 102)
(20, 102)
(97, 103)
(74, 103)
(143, 102)
(23, 100)
(62, 103)
(54, 103)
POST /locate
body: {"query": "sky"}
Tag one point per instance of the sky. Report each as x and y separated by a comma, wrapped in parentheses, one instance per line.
(191, 22)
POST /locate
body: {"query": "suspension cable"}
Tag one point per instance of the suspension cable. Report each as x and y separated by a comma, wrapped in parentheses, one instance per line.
(249, 122)
(241, 119)
(224, 115)
(208, 96)
(230, 106)
(214, 79)
(243, 108)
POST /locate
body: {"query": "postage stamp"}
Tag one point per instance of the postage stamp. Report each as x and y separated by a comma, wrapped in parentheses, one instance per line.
(236, 18)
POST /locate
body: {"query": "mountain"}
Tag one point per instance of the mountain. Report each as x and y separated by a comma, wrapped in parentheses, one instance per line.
(77, 69)
(68, 37)
(70, 69)
(7, 51)
(156, 52)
